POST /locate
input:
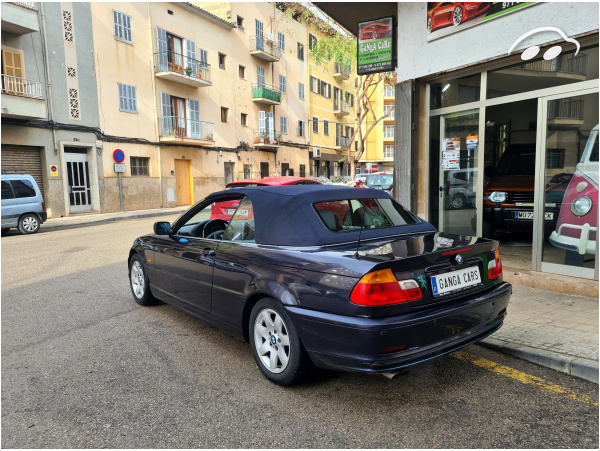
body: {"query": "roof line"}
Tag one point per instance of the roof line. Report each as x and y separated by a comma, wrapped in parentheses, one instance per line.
(207, 15)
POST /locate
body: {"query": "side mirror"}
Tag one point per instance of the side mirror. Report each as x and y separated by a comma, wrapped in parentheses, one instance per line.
(162, 228)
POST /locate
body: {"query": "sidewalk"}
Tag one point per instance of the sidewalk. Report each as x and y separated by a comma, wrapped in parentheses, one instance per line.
(553, 329)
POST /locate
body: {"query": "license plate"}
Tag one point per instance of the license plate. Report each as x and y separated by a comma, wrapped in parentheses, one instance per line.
(549, 216)
(231, 211)
(455, 280)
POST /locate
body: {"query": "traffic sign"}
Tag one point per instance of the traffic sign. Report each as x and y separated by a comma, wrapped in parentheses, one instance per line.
(119, 156)
(119, 167)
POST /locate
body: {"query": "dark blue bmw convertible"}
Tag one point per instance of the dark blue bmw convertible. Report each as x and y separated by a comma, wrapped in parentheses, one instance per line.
(323, 276)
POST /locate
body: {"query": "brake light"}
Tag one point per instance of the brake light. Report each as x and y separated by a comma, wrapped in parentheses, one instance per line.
(382, 288)
(43, 206)
(495, 266)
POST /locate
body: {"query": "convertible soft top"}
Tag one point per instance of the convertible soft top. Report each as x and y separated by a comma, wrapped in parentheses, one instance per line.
(285, 216)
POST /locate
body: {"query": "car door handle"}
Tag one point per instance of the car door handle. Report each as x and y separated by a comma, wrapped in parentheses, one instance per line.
(209, 253)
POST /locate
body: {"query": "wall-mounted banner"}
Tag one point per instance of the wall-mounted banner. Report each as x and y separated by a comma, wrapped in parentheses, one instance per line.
(444, 18)
(376, 49)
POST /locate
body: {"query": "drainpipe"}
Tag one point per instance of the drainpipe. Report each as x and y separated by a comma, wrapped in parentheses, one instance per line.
(153, 83)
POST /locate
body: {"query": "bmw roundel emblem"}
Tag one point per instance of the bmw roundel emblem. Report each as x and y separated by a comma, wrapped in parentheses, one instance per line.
(458, 259)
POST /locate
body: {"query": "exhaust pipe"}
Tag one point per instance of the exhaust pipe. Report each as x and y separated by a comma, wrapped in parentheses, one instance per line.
(395, 374)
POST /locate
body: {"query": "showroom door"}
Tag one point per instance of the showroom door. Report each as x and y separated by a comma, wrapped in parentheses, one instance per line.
(567, 183)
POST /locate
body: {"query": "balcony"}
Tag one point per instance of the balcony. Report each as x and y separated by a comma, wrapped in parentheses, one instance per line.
(175, 67)
(342, 142)
(183, 131)
(267, 139)
(265, 50)
(565, 112)
(341, 72)
(341, 108)
(268, 94)
(22, 98)
(19, 18)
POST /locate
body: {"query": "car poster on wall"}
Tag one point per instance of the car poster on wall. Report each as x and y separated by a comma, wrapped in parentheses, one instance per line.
(444, 18)
(375, 49)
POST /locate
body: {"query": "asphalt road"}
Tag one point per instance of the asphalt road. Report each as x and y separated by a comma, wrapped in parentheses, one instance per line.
(83, 366)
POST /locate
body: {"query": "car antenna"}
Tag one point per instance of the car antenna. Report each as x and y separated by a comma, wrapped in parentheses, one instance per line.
(362, 226)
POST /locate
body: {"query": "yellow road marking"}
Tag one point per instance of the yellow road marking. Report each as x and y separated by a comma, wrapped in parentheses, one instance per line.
(524, 377)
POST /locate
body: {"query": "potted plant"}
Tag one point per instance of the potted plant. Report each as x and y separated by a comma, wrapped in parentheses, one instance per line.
(208, 137)
(278, 138)
(188, 71)
(263, 137)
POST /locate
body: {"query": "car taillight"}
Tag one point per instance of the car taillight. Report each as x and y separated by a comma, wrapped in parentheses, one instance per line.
(495, 266)
(43, 206)
(447, 186)
(382, 288)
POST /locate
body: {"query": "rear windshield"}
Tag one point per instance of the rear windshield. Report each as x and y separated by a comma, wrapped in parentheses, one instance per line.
(380, 180)
(357, 214)
(243, 185)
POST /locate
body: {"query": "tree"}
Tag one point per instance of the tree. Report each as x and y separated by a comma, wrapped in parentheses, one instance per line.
(339, 46)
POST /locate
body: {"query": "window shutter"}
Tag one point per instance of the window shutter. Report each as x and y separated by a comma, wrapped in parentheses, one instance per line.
(166, 112)
(190, 49)
(195, 119)
(121, 97)
(117, 24)
(127, 28)
(260, 75)
(262, 125)
(270, 126)
(134, 98)
(161, 35)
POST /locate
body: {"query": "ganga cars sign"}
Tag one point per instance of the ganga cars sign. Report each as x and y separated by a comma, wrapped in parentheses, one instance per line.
(375, 50)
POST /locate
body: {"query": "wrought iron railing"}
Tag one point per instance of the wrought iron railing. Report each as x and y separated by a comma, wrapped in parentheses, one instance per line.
(266, 136)
(264, 91)
(565, 109)
(567, 64)
(181, 127)
(174, 62)
(343, 69)
(340, 106)
(21, 87)
(28, 5)
(259, 43)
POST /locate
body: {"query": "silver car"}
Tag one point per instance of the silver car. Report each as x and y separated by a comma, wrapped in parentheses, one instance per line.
(22, 203)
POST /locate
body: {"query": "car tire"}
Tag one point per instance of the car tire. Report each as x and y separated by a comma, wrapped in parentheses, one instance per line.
(138, 282)
(458, 201)
(28, 224)
(374, 35)
(275, 344)
(457, 16)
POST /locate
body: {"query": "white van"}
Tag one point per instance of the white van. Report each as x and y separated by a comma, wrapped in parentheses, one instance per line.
(22, 203)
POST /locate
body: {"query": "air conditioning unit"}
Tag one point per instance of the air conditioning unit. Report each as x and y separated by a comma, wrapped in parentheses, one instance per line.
(316, 153)
(269, 37)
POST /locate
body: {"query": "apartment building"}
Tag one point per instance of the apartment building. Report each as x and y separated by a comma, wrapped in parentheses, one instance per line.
(332, 115)
(379, 151)
(48, 75)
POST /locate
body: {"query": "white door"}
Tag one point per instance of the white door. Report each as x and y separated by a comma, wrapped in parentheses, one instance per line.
(78, 176)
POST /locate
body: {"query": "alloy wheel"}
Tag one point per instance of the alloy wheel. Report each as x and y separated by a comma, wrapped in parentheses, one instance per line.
(138, 282)
(272, 341)
(457, 15)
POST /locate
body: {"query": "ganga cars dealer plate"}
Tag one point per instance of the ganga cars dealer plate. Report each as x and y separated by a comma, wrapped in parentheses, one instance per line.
(455, 280)
(549, 216)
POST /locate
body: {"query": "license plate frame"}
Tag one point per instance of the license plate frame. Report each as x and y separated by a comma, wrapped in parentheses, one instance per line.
(548, 215)
(456, 280)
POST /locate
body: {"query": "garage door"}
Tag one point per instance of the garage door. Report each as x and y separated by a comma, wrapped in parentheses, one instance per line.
(24, 159)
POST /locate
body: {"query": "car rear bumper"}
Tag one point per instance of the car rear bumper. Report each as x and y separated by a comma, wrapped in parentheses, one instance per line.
(356, 344)
(43, 216)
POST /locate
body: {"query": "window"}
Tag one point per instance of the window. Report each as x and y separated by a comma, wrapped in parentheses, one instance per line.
(315, 85)
(241, 226)
(301, 91)
(222, 61)
(127, 98)
(315, 125)
(281, 41)
(312, 41)
(300, 128)
(326, 127)
(122, 26)
(555, 159)
(388, 90)
(139, 166)
(350, 99)
(224, 114)
(326, 90)
(23, 188)
(244, 120)
(264, 169)
(301, 51)
(240, 22)
(387, 108)
(302, 170)
(388, 132)
(260, 75)
(282, 84)
(247, 171)
(283, 125)
(7, 192)
(388, 152)
(357, 214)
(242, 72)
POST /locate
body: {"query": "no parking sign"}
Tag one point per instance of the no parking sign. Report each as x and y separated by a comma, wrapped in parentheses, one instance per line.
(119, 156)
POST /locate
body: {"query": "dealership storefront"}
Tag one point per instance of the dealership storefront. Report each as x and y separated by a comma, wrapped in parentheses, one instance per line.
(491, 143)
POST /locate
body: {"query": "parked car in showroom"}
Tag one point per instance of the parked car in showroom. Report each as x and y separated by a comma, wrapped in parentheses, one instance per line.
(323, 276)
(224, 210)
(577, 226)
(508, 197)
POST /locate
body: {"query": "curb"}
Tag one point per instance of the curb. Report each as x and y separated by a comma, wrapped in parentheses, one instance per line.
(573, 366)
(50, 226)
